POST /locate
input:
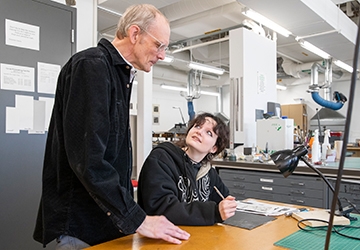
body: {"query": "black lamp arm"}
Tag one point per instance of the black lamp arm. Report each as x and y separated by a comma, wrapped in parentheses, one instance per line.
(324, 179)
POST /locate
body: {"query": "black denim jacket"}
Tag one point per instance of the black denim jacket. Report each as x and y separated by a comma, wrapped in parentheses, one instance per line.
(87, 191)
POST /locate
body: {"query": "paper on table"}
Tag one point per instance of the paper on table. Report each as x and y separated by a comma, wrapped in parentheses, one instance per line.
(256, 207)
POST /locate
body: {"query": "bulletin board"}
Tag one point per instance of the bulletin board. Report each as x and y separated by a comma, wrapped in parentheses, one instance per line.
(37, 37)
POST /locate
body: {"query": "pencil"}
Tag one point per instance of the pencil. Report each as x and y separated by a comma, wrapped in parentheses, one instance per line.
(220, 194)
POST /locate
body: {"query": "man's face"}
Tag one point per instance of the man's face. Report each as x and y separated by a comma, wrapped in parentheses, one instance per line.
(152, 45)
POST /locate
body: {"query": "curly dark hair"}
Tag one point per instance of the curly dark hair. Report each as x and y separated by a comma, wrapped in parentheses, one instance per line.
(221, 130)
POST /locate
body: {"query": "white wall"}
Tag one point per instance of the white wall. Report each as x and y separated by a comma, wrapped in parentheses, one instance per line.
(253, 63)
(167, 99)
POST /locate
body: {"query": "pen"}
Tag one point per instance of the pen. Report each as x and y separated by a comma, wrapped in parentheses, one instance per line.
(220, 194)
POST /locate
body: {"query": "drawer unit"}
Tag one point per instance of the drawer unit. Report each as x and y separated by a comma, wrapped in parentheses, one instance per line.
(295, 189)
(350, 190)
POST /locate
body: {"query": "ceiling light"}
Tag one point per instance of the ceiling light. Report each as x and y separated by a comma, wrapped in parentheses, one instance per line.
(173, 87)
(168, 59)
(109, 11)
(344, 66)
(266, 22)
(185, 89)
(209, 93)
(308, 46)
(281, 87)
(206, 68)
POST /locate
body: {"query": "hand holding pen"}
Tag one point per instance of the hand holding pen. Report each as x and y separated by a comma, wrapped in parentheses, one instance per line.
(227, 206)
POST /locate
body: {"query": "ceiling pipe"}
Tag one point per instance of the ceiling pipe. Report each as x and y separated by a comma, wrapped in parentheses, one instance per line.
(299, 70)
(200, 45)
(314, 86)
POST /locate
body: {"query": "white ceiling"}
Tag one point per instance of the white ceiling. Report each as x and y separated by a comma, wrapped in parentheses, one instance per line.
(329, 26)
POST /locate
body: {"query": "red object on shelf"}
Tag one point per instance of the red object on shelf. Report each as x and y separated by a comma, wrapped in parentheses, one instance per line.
(134, 183)
(336, 134)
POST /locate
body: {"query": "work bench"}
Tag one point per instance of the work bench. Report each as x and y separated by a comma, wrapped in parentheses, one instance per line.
(247, 179)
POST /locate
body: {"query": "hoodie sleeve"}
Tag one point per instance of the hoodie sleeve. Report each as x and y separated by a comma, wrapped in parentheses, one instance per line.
(158, 194)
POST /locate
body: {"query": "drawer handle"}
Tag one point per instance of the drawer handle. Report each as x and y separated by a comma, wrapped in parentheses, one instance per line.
(266, 180)
(238, 178)
(267, 188)
(239, 193)
(297, 192)
(298, 201)
(298, 183)
(238, 185)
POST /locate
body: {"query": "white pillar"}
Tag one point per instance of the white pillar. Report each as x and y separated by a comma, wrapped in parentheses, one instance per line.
(144, 118)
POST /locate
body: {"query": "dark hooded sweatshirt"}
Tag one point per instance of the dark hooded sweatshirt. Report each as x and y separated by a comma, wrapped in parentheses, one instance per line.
(171, 184)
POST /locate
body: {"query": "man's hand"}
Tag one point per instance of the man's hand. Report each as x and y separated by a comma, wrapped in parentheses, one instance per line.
(227, 207)
(158, 227)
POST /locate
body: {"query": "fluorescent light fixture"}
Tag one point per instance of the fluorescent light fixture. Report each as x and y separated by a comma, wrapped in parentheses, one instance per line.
(172, 87)
(206, 68)
(266, 22)
(185, 89)
(344, 66)
(168, 59)
(209, 93)
(281, 87)
(308, 46)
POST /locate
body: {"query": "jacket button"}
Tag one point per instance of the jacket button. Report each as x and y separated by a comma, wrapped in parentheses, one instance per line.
(127, 85)
(108, 213)
(127, 67)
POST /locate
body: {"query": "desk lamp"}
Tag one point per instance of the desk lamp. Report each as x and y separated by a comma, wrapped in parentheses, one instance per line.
(287, 160)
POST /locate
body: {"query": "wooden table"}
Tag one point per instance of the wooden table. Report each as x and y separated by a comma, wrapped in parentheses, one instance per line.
(218, 236)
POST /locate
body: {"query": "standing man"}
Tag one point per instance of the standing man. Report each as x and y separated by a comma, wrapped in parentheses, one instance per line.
(87, 196)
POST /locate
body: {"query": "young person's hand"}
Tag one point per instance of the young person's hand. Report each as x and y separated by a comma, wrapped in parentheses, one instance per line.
(227, 207)
(158, 227)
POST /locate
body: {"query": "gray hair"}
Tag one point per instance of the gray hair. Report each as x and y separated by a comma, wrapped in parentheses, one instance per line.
(142, 15)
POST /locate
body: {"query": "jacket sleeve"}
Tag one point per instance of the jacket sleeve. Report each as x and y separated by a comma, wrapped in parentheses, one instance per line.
(158, 194)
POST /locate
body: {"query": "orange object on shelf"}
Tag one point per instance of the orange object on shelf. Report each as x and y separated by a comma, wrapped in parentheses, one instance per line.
(310, 146)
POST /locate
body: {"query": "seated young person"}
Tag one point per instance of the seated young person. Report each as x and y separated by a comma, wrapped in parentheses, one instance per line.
(179, 182)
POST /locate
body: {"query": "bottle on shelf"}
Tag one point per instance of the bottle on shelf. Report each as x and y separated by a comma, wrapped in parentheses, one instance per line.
(326, 147)
(315, 149)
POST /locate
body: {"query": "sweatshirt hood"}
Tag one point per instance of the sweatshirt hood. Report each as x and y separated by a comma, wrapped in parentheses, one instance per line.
(182, 160)
(176, 153)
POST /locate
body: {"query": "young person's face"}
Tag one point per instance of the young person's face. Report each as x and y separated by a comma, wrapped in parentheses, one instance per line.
(202, 138)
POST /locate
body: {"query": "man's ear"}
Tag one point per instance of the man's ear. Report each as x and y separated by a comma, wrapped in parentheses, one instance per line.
(133, 33)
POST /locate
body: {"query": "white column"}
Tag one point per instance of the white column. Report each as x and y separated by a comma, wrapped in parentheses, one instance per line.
(144, 118)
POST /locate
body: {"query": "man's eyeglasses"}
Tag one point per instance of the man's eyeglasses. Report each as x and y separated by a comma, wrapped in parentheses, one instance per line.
(160, 46)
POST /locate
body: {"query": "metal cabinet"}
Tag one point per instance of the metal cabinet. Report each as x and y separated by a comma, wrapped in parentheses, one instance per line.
(295, 189)
(349, 191)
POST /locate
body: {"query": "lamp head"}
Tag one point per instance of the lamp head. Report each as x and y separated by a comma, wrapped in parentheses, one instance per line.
(287, 160)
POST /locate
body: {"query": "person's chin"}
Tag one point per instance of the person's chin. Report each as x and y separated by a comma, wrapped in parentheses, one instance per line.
(147, 69)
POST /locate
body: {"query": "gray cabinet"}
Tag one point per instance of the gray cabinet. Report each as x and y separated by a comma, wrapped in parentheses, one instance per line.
(349, 190)
(295, 189)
